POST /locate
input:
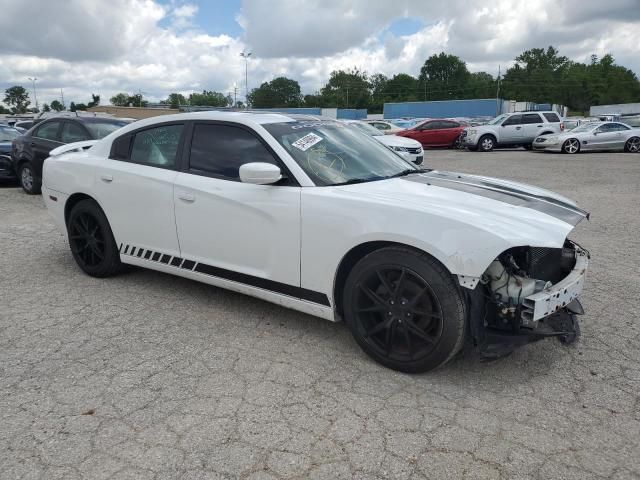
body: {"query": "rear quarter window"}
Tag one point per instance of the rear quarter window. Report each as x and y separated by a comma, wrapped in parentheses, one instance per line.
(551, 117)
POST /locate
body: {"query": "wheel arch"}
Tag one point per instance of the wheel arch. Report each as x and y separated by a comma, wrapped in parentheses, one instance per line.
(356, 254)
(74, 199)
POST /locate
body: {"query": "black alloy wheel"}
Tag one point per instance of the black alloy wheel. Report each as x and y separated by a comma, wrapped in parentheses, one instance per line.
(91, 241)
(404, 309)
(632, 145)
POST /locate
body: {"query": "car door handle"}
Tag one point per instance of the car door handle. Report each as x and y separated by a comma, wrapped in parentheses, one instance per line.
(106, 178)
(186, 197)
(518, 128)
(33, 144)
(539, 126)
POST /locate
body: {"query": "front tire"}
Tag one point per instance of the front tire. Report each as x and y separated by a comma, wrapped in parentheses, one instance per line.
(571, 146)
(91, 240)
(27, 179)
(632, 145)
(404, 309)
(487, 143)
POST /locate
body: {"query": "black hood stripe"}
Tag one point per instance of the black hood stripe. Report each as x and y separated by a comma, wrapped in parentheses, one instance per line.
(503, 193)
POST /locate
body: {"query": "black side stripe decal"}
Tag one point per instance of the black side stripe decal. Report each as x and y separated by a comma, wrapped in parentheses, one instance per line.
(263, 283)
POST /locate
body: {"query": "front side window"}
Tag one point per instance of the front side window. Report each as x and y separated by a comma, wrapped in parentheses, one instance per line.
(498, 119)
(513, 120)
(48, 131)
(72, 132)
(157, 146)
(382, 126)
(530, 118)
(332, 153)
(220, 151)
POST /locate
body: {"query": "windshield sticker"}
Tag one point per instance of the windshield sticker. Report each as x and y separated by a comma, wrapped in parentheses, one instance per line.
(306, 142)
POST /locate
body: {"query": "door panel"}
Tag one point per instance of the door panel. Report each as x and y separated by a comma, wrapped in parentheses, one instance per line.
(511, 130)
(138, 201)
(245, 228)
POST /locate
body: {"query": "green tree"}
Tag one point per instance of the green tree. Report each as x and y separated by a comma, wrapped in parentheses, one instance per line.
(57, 106)
(46, 108)
(18, 98)
(4, 110)
(174, 100)
(313, 100)
(209, 99)
(120, 100)
(443, 76)
(536, 76)
(347, 89)
(401, 88)
(95, 101)
(279, 92)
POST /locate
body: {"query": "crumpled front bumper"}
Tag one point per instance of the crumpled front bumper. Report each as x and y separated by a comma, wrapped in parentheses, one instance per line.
(550, 300)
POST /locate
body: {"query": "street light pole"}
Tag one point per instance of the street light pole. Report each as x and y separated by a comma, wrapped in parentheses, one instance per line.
(246, 83)
(35, 97)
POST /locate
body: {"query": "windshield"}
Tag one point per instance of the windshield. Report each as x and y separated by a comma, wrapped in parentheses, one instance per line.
(585, 127)
(498, 119)
(8, 133)
(332, 153)
(368, 129)
(100, 130)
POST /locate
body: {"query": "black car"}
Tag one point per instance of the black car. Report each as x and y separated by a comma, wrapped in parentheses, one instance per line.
(31, 149)
(7, 135)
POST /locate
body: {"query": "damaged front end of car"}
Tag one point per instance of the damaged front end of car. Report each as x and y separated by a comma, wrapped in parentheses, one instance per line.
(527, 294)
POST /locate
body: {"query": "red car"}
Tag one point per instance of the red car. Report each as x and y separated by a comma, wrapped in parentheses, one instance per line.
(436, 133)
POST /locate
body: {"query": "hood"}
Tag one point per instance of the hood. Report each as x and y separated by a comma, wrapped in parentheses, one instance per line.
(397, 141)
(519, 213)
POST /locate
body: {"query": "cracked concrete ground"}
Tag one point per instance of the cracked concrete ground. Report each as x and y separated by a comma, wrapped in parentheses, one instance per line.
(149, 376)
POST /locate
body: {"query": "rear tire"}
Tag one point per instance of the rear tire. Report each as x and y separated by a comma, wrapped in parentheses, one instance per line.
(404, 309)
(632, 145)
(92, 244)
(486, 143)
(27, 179)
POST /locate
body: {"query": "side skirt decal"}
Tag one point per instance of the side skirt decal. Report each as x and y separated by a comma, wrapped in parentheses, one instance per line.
(210, 270)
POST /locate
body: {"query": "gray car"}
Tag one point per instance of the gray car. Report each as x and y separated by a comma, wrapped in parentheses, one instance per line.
(592, 136)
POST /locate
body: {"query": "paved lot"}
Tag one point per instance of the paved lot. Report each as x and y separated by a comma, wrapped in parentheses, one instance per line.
(151, 376)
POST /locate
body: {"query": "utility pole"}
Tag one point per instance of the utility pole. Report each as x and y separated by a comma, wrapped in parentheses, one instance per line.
(246, 56)
(235, 95)
(498, 106)
(33, 82)
(347, 96)
(64, 107)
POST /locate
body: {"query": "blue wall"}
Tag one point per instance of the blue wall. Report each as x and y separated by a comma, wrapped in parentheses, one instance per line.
(302, 111)
(351, 114)
(443, 109)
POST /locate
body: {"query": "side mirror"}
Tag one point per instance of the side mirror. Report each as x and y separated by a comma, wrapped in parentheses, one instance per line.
(596, 132)
(259, 173)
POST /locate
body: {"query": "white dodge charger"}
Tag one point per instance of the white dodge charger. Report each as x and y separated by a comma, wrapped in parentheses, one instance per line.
(319, 217)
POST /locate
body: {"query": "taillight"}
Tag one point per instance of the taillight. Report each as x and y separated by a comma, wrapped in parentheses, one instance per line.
(561, 126)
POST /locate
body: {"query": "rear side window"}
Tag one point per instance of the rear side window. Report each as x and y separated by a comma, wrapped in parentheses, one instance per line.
(156, 146)
(121, 147)
(530, 118)
(220, 151)
(72, 132)
(551, 117)
(448, 124)
(48, 131)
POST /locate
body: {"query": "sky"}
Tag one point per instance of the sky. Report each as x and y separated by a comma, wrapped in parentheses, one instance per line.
(161, 46)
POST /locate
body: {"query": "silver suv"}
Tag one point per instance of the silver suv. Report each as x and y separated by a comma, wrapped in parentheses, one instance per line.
(511, 130)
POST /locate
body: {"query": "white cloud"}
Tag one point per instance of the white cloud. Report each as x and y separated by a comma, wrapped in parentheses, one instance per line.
(107, 46)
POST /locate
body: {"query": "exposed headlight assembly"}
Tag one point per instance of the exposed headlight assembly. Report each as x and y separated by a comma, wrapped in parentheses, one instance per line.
(399, 149)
